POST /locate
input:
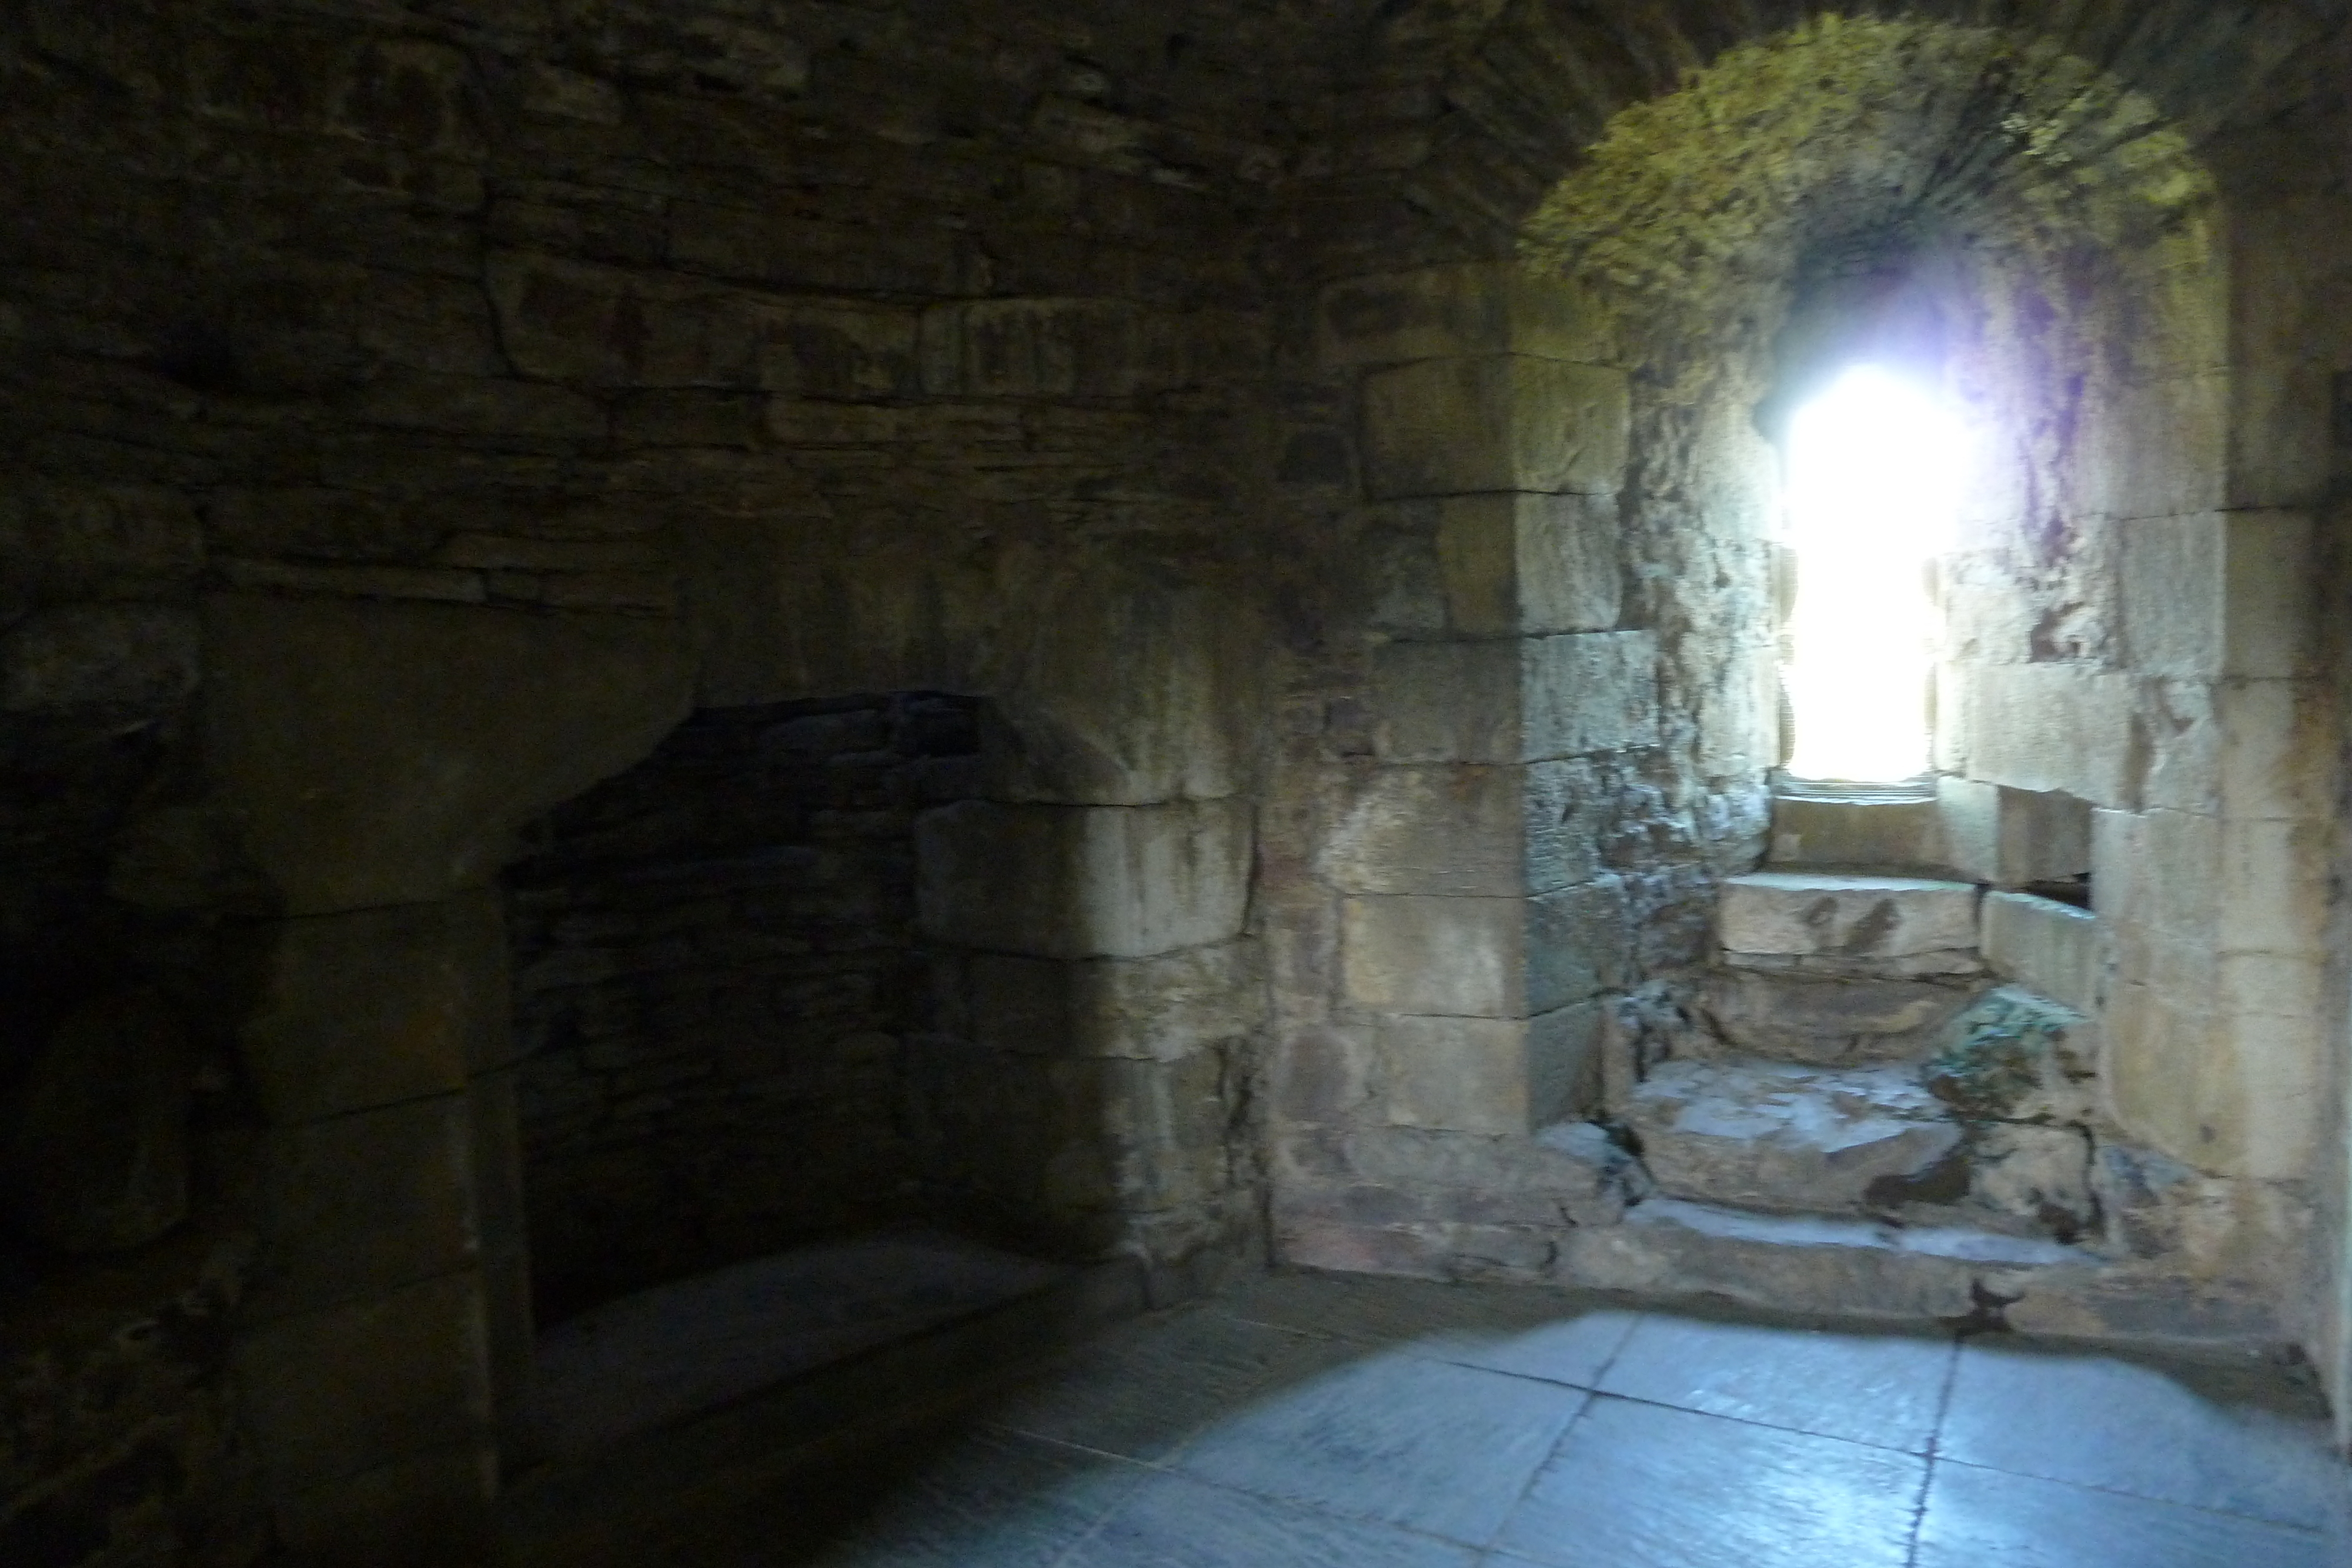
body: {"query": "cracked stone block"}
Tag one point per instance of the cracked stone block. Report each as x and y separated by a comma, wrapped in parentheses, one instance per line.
(2015, 1057)
(1772, 1136)
(1827, 1023)
(1526, 699)
(1846, 917)
(1485, 958)
(1469, 830)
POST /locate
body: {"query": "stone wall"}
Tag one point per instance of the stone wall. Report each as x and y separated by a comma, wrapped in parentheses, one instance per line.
(717, 970)
(414, 413)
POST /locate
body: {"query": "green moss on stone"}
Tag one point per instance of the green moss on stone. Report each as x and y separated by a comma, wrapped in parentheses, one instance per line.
(1998, 1053)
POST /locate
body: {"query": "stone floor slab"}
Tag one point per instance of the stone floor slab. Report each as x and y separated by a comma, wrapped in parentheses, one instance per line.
(1574, 1351)
(1977, 1517)
(1377, 1310)
(1142, 1390)
(2225, 1440)
(993, 1499)
(1435, 1447)
(1883, 1389)
(1175, 1521)
(1641, 1485)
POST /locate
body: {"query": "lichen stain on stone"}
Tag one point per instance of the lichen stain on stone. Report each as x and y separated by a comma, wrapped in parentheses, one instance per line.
(1998, 1053)
(1848, 136)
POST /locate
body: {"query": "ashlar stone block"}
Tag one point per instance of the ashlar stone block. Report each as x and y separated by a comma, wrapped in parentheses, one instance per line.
(1522, 700)
(2051, 948)
(1491, 1075)
(1881, 833)
(2065, 728)
(2013, 837)
(1494, 423)
(1467, 830)
(1488, 306)
(1083, 882)
(1522, 565)
(1847, 917)
(2217, 594)
(2276, 762)
(1485, 958)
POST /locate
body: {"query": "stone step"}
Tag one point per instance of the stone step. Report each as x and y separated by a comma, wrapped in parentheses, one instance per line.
(1828, 1020)
(1851, 919)
(1778, 1136)
(1857, 1142)
(1860, 1268)
(1857, 832)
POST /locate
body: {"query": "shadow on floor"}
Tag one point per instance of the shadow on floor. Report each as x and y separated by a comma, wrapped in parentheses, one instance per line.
(1397, 1424)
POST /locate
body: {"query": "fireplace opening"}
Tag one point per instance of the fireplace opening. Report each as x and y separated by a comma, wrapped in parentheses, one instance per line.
(723, 996)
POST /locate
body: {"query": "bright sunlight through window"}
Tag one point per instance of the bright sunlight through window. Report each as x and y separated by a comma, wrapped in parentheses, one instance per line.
(1874, 486)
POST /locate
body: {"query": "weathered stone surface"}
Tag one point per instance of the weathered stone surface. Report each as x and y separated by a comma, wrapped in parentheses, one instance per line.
(378, 1006)
(1829, 1022)
(2053, 729)
(1467, 830)
(1157, 1008)
(2217, 594)
(2013, 1056)
(1485, 958)
(1527, 565)
(1491, 1075)
(1494, 423)
(2031, 1180)
(2051, 948)
(1080, 882)
(1872, 834)
(1160, 721)
(98, 1153)
(1469, 308)
(383, 754)
(1770, 1136)
(1521, 700)
(1847, 917)
(1789, 1264)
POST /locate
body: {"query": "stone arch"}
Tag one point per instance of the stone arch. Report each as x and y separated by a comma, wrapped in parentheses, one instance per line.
(1553, 320)
(1526, 86)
